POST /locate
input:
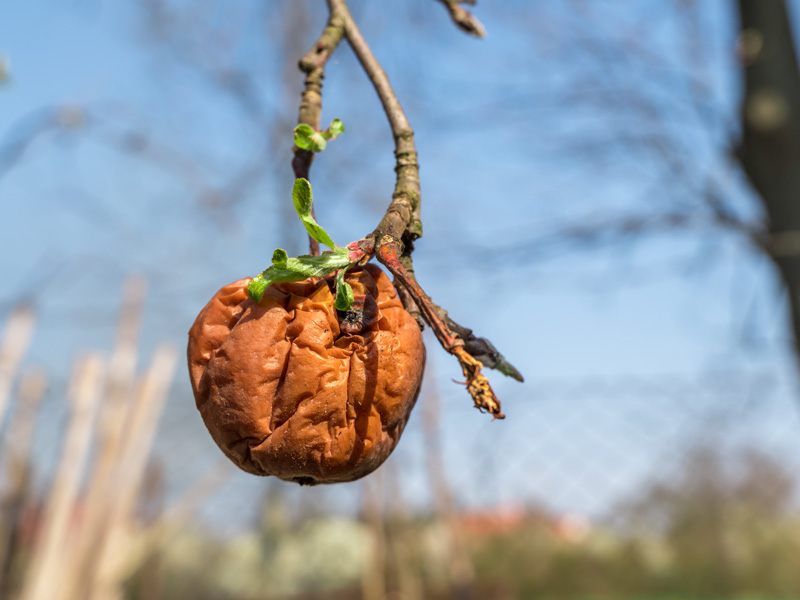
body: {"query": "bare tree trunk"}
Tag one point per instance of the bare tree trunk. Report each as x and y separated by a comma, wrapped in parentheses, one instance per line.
(770, 147)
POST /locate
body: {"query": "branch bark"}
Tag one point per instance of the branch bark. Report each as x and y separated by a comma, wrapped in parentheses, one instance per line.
(770, 147)
(464, 19)
(402, 218)
(313, 65)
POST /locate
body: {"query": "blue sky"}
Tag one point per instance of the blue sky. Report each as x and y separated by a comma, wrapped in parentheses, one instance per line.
(502, 127)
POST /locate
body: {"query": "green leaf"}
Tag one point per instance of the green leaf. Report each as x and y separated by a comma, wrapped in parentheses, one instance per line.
(279, 258)
(260, 283)
(335, 130)
(303, 200)
(306, 138)
(302, 196)
(286, 269)
(302, 135)
(344, 293)
(317, 266)
(318, 142)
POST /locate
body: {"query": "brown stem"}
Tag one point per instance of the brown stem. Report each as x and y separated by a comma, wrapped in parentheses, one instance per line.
(387, 254)
(313, 65)
(477, 384)
(402, 217)
(464, 19)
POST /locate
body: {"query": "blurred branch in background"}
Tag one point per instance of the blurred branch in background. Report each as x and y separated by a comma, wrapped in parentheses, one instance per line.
(177, 32)
(182, 33)
(16, 338)
(115, 130)
(655, 116)
(643, 103)
(49, 571)
(17, 483)
(85, 537)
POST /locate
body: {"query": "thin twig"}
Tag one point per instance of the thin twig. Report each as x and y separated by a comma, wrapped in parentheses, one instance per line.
(464, 19)
(313, 65)
(402, 216)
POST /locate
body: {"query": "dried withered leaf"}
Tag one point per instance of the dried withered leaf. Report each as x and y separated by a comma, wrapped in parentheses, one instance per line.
(285, 390)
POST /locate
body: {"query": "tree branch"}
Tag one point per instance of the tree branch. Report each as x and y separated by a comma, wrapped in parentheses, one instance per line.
(313, 65)
(402, 216)
(464, 19)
